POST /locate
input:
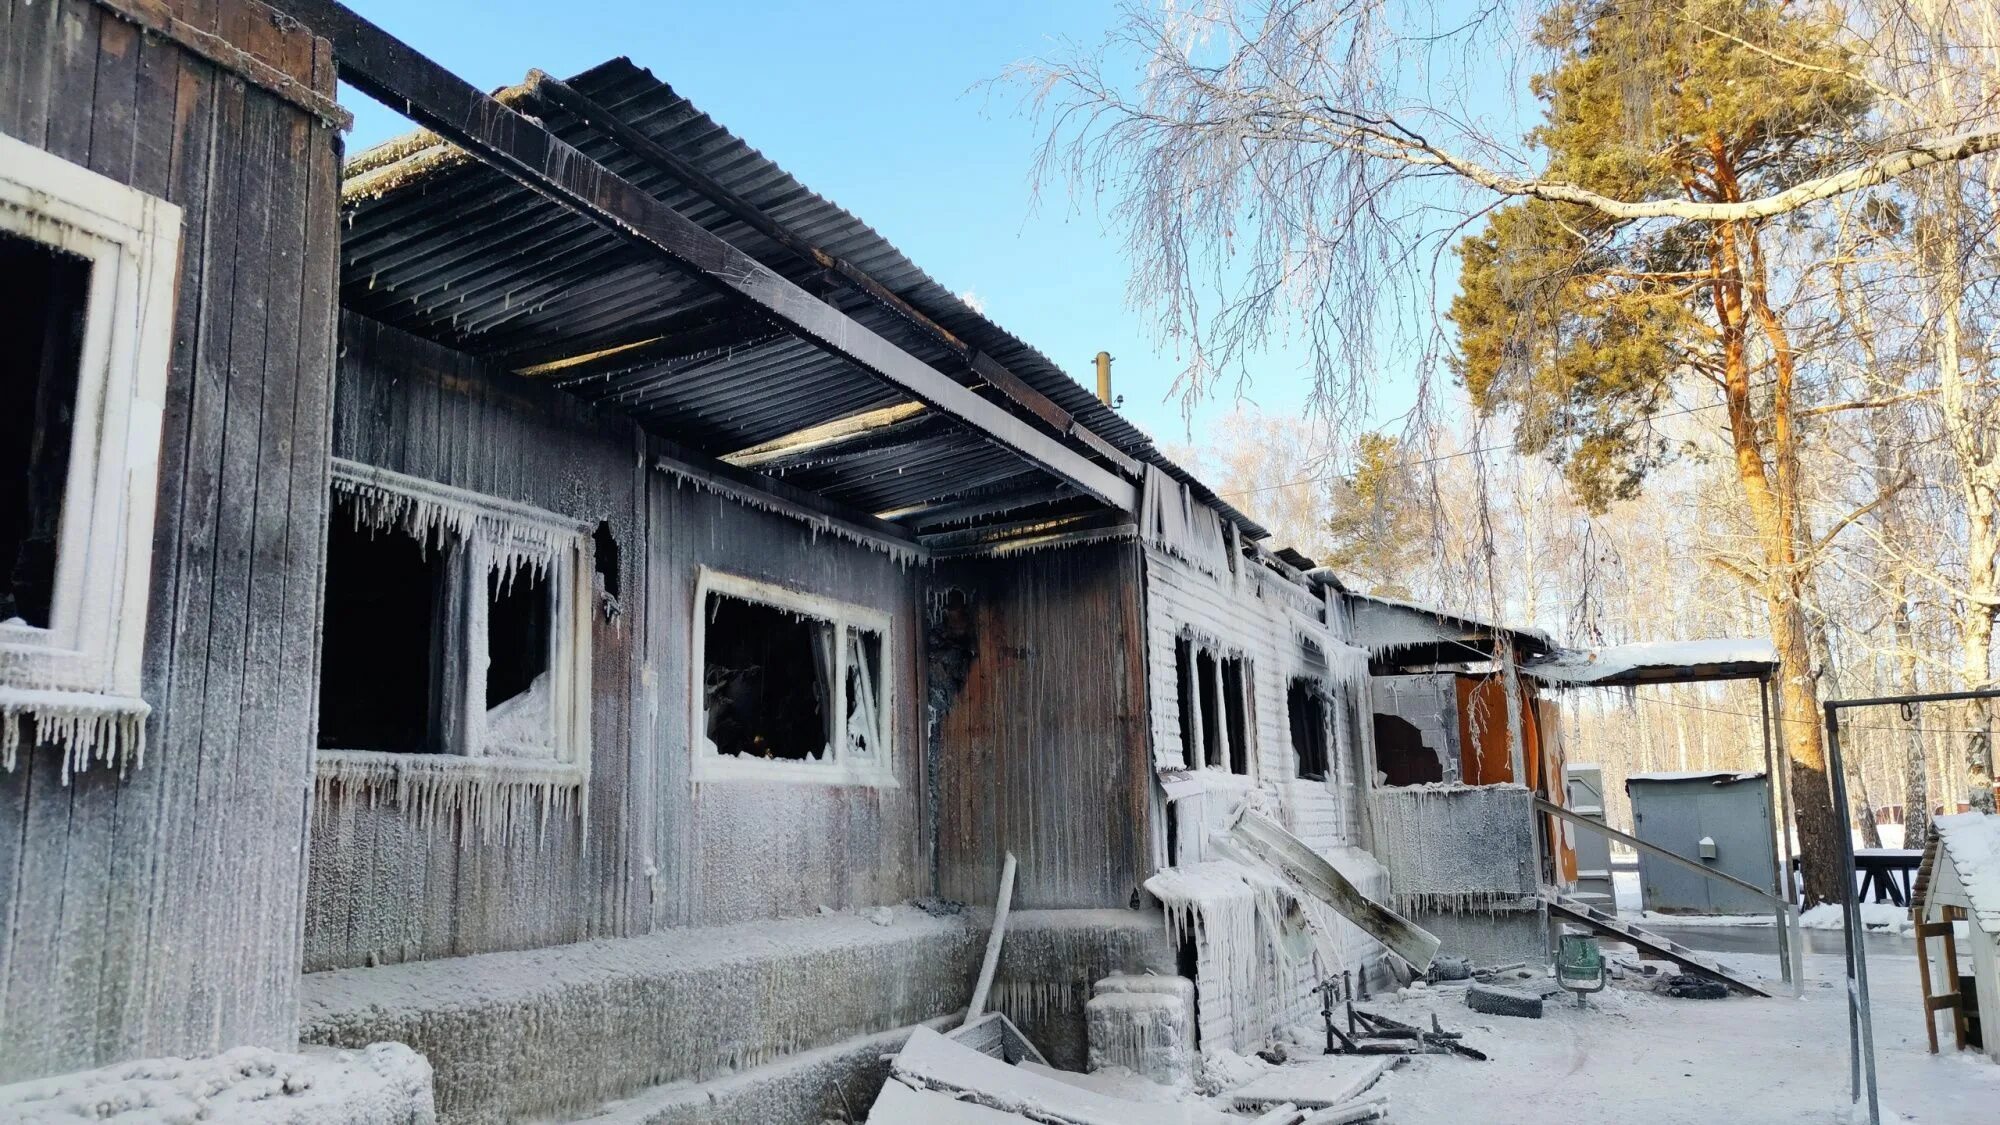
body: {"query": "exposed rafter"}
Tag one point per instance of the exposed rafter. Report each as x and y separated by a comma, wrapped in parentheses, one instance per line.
(388, 69)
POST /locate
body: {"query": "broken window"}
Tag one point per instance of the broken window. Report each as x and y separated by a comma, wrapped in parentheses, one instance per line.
(1400, 754)
(1213, 696)
(1305, 705)
(790, 680)
(1235, 718)
(89, 266)
(451, 625)
(1184, 697)
(42, 322)
(384, 638)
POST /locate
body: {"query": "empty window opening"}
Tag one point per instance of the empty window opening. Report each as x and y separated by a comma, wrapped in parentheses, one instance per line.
(864, 691)
(1213, 752)
(1184, 693)
(41, 322)
(1234, 715)
(1305, 704)
(383, 651)
(606, 558)
(767, 675)
(1400, 753)
(517, 633)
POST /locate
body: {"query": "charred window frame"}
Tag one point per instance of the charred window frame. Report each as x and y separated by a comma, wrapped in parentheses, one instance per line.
(97, 264)
(456, 632)
(1307, 710)
(789, 686)
(1213, 695)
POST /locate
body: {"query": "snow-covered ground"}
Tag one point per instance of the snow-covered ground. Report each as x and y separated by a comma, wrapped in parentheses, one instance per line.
(1632, 1056)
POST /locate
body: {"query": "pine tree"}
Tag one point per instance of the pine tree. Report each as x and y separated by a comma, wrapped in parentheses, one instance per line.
(1580, 324)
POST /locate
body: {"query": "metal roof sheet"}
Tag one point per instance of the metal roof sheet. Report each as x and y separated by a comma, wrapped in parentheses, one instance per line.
(443, 246)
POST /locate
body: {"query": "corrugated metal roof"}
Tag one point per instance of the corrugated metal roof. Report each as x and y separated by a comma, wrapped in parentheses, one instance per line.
(440, 245)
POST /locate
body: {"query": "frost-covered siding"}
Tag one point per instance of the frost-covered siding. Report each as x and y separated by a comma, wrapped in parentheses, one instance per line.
(1197, 584)
(660, 850)
(156, 913)
(1037, 688)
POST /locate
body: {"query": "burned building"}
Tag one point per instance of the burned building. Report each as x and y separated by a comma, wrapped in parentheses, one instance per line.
(554, 592)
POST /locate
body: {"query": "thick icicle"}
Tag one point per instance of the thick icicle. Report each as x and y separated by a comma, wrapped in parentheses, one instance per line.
(483, 798)
(89, 728)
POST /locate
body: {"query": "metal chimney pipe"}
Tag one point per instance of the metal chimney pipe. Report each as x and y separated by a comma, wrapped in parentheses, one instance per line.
(1104, 378)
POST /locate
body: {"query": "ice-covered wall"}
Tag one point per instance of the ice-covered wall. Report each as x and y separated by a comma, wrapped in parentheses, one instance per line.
(1037, 691)
(1456, 848)
(647, 847)
(157, 913)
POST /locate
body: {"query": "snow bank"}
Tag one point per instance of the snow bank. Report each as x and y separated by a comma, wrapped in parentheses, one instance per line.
(382, 1084)
(1880, 917)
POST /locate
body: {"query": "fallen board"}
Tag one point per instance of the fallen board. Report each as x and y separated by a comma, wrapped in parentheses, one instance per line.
(930, 1061)
(1652, 944)
(900, 1105)
(1329, 1080)
(1307, 872)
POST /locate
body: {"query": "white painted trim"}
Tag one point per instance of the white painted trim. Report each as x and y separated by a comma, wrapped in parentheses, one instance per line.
(95, 642)
(839, 767)
(490, 528)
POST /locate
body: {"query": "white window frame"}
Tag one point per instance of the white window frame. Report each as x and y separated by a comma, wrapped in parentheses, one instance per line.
(489, 527)
(839, 767)
(89, 658)
(1194, 759)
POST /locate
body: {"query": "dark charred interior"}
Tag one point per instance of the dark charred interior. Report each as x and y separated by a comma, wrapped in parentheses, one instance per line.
(518, 615)
(383, 649)
(1305, 701)
(1400, 753)
(765, 694)
(41, 321)
(1234, 693)
(1184, 692)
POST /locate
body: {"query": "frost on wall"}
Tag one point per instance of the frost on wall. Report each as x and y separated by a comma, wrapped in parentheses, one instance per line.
(88, 729)
(1456, 848)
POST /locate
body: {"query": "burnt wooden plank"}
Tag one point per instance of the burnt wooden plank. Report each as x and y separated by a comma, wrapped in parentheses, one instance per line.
(87, 893)
(186, 800)
(72, 79)
(144, 829)
(225, 781)
(26, 57)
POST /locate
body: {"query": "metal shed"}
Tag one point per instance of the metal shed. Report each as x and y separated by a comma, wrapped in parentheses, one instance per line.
(1722, 817)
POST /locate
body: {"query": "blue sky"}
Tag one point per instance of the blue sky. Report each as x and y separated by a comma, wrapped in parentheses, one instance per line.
(882, 106)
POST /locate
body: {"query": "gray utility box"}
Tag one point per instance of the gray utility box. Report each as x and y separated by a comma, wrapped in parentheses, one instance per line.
(1593, 850)
(1719, 818)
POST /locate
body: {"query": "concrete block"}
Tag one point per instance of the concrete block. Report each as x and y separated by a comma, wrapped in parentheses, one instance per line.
(1497, 1001)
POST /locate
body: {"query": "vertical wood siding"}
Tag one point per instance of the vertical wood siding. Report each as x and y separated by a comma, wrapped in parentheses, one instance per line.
(659, 850)
(158, 914)
(1043, 751)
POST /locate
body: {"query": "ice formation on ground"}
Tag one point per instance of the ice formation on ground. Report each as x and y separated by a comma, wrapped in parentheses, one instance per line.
(382, 1084)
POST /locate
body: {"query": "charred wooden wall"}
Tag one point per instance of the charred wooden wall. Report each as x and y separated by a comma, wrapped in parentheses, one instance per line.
(1042, 748)
(158, 913)
(659, 850)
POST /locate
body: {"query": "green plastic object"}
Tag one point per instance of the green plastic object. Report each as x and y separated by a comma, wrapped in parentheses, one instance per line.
(1579, 964)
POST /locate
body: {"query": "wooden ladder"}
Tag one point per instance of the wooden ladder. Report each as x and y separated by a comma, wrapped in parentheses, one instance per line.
(1952, 999)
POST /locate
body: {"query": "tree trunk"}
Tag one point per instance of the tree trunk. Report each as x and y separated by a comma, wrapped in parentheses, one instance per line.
(1916, 784)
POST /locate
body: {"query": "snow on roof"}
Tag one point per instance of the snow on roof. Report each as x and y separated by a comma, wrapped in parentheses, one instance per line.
(1972, 840)
(1624, 662)
(1718, 776)
(1384, 634)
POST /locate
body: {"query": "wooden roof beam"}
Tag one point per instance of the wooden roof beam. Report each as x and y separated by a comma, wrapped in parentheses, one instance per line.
(395, 73)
